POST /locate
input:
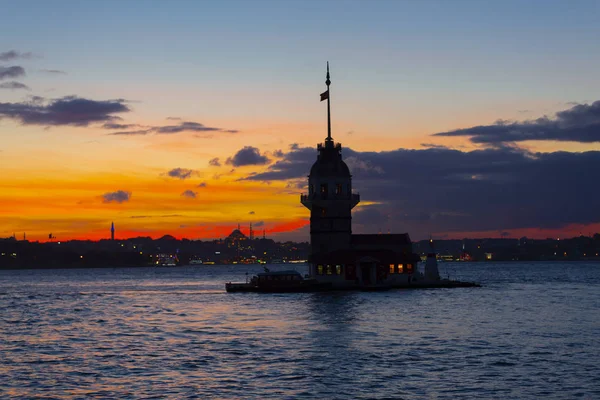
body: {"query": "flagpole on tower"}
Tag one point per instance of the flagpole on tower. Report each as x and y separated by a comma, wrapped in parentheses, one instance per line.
(328, 82)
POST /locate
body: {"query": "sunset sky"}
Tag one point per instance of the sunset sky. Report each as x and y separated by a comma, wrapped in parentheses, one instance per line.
(186, 118)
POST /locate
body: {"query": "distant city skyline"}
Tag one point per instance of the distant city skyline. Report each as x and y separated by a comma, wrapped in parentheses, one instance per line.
(457, 119)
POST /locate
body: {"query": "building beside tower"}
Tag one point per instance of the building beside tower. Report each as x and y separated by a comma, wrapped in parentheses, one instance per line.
(338, 256)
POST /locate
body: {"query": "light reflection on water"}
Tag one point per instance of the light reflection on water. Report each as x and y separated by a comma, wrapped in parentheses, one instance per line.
(533, 330)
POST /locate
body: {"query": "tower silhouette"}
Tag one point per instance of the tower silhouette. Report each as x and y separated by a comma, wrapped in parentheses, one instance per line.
(330, 198)
(112, 231)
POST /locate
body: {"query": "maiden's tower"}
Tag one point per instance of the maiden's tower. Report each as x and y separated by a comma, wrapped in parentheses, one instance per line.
(337, 256)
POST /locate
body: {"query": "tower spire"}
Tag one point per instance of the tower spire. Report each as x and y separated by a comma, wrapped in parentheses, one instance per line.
(328, 82)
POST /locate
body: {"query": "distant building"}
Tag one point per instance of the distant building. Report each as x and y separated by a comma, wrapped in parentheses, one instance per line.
(338, 256)
(235, 238)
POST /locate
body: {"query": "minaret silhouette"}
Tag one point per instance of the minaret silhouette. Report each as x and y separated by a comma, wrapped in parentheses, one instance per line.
(112, 231)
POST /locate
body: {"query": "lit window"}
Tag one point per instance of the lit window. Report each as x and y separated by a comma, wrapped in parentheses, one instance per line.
(400, 268)
(409, 268)
(392, 268)
(319, 269)
(323, 212)
(338, 269)
(323, 188)
(329, 270)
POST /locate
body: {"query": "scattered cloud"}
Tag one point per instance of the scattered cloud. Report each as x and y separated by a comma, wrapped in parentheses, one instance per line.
(131, 133)
(181, 173)
(53, 71)
(11, 72)
(296, 163)
(259, 224)
(174, 118)
(247, 156)
(433, 146)
(14, 86)
(113, 125)
(214, 162)
(70, 110)
(186, 126)
(119, 196)
(202, 185)
(189, 194)
(251, 213)
(278, 153)
(13, 55)
(580, 123)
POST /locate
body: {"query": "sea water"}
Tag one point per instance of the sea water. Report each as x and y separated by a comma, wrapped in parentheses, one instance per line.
(532, 331)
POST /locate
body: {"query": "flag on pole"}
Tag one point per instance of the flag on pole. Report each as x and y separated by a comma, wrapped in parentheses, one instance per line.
(325, 95)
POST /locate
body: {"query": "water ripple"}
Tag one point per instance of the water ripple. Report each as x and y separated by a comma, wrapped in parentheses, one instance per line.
(531, 331)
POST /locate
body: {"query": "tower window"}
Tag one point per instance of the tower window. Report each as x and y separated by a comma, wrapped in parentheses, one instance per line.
(400, 268)
(319, 269)
(323, 188)
(329, 272)
(338, 269)
(323, 212)
(311, 189)
(338, 188)
(391, 268)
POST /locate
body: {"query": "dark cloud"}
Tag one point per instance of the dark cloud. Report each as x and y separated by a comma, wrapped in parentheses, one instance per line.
(278, 153)
(113, 125)
(294, 164)
(119, 196)
(181, 173)
(202, 185)
(259, 224)
(54, 71)
(186, 126)
(433, 146)
(189, 194)
(247, 156)
(14, 86)
(11, 72)
(251, 213)
(214, 162)
(580, 123)
(70, 110)
(13, 55)
(441, 190)
(131, 133)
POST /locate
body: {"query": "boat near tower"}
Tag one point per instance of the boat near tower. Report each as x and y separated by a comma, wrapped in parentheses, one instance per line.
(339, 259)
